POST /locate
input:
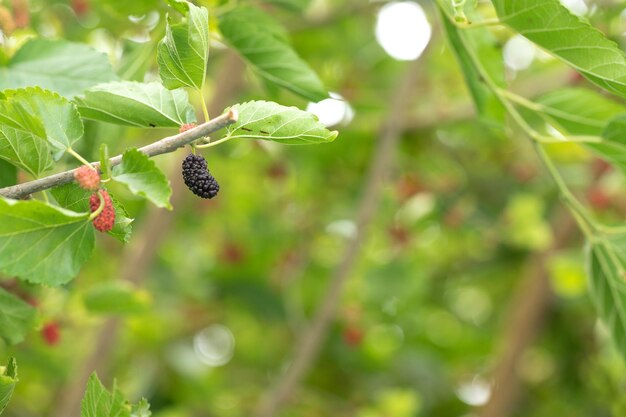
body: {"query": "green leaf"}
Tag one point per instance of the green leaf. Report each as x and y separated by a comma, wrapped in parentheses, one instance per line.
(65, 67)
(116, 298)
(605, 267)
(8, 174)
(137, 104)
(482, 42)
(25, 150)
(17, 317)
(552, 26)
(579, 111)
(8, 380)
(270, 121)
(141, 409)
(183, 52)
(143, 178)
(42, 243)
(98, 402)
(271, 57)
(293, 5)
(72, 197)
(59, 117)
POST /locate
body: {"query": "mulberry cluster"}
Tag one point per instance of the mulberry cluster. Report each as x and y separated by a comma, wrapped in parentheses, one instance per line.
(87, 177)
(106, 219)
(197, 177)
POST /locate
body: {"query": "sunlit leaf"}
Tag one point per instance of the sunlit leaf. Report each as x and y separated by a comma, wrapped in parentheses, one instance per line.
(142, 177)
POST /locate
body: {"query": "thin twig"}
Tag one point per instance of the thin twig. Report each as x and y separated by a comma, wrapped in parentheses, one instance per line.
(311, 340)
(165, 145)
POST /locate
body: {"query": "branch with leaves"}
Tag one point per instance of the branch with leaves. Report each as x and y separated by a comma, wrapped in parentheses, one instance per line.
(577, 115)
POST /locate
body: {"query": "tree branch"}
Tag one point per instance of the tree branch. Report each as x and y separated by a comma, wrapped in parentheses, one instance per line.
(165, 145)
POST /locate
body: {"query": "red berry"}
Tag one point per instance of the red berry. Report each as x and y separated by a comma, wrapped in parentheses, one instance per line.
(51, 333)
(352, 336)
(186, 127)
(88, 178)
(106, 219)
(598, 198)
(81, 7)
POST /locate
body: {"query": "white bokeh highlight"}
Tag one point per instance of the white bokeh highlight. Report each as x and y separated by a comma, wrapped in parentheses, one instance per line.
(578, 7)
(519, 53)
(214, 345)
(403, 30)
(333, 111)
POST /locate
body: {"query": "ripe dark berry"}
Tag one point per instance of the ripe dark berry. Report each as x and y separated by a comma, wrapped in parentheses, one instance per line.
(197, 177)
(87, 178)
(106, 219)
(186, 127)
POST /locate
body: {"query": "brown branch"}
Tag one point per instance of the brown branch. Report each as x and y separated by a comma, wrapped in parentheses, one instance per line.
(140, 254)
(165, 145)
(310, 342)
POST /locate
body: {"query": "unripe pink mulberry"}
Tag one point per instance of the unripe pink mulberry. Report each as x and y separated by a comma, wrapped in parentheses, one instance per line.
(186, 127)
(106, 219)
(88, 178)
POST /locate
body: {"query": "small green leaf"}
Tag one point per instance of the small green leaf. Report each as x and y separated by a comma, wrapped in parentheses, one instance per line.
(245, 29)
(137, 104)
(42, 243)
(270, 121)
(605, 267)
(143, 178)
(99, 402)
(72, 197)
(116, 298)
(141, 409)
(65, 67)
(183, 52)
(8, 380)
(553, 27)
(58, 116)
(17, 317)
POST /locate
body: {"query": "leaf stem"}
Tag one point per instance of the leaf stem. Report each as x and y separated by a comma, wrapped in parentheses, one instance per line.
(99, 209)
(217, 142)
(80, 158)
(205, 110)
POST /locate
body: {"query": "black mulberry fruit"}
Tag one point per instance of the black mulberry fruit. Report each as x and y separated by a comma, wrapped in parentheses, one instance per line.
(197, 177)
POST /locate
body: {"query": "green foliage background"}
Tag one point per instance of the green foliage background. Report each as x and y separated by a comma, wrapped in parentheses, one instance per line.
(466, 213)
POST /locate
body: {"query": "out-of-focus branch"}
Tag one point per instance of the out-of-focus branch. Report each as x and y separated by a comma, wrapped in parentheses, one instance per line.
(140, 253)
(311, 340)
(526, 316)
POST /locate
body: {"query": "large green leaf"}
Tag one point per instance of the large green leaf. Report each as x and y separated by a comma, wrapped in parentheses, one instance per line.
(42, 243)
(553, 27)
(58, 116)
(137, 104)
(8, 174)
(271, 57)
(183, 52)
(17, 317)
(25, 150)
(606, 268)
(143, 178)
(65, 67)
(8, 380)
(270, 121)
(72, 197)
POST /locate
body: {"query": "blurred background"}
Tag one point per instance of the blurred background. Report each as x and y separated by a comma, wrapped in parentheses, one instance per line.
(426, 245)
